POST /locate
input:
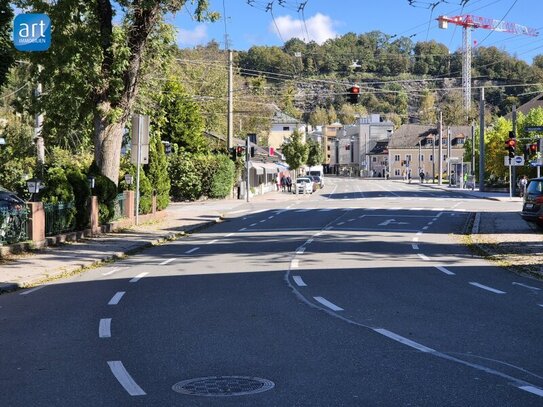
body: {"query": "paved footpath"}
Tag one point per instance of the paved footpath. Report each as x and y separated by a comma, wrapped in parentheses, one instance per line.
(498, 235)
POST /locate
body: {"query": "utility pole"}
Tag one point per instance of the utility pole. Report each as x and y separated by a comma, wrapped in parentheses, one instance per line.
(434, 159)
(513, 174)
(247, 163)
(449, 154)
(440, 150)
(482, 140)
(473, 151)
(230, 135)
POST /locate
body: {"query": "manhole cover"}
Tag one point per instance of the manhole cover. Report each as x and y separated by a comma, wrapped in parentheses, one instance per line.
(221, 386)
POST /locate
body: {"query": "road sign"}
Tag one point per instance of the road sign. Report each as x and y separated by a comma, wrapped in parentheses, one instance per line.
(516, 161)
(534, 128)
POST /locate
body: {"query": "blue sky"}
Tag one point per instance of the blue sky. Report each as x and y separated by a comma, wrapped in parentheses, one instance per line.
(319, 20)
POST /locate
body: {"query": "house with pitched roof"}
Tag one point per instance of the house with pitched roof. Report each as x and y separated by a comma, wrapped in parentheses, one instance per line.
(414, 147)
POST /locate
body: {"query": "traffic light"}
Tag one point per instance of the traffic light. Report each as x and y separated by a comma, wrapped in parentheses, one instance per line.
(511, 144)
(354, 94)
(232, 152)
(533, 148)
(240, 151)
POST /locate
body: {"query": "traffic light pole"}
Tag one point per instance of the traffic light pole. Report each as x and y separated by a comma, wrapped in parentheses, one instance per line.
(247, 156)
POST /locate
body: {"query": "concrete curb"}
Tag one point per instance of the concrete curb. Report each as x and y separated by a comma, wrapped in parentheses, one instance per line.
(132, 249)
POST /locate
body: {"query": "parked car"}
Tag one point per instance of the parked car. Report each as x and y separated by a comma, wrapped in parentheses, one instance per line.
(317, 180)
(9, 200)
(304, 185)
(532, 207)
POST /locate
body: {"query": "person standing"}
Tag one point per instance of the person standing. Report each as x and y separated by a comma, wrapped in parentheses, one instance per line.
(421, 175)
(289, 183)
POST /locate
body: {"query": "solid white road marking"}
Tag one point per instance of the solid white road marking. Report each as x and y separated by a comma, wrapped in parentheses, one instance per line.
(294, 264)
(485, 287)
(527, 286)
(328, 304)
(104, 329)
(403, 340)
(423, 257)
(444, 270)
(26, 292)
(116, 298)
(415, 246)
(300, 250)
(192, 250)
(166, 262)
(124, 378)
(533, 390)
(138, 277)
(212, 241)
(299, 282)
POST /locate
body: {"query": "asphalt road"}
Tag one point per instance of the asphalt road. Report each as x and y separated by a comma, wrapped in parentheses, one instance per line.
(359, 295)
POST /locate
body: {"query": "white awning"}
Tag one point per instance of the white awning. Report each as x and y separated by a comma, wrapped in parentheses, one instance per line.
(259, 169)
(269, 167)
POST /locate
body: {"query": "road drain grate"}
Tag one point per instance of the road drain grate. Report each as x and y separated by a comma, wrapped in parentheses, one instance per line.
(223, 386)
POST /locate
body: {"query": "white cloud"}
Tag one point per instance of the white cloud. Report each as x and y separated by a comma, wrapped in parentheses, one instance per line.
(198, 36)
(320, 28)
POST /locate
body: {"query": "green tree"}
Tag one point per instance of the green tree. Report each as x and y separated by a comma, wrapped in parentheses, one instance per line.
(427, 108)
(315, 153)
(105, 59)
(180, 120)
(6, 46)
(295, 151)
(318, 117)
(158, 171)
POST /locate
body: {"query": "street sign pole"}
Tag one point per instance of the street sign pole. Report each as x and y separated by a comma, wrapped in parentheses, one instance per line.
(510, 181)
(138, 171)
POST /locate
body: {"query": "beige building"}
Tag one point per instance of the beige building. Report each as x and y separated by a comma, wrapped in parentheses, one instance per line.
(282, 128)
(414, 148)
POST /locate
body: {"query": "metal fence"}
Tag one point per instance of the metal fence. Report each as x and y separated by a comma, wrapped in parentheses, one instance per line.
(119, 207)
(59, 218)
(13, 225)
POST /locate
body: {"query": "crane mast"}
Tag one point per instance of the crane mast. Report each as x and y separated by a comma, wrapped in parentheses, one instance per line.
(470, 22)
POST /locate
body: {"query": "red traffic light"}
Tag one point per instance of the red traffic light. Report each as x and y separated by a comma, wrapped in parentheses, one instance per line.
(533, 147)
(511, 143)
(355, 90)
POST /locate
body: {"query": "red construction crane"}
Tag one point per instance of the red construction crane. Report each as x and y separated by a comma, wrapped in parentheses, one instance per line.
(469, 22)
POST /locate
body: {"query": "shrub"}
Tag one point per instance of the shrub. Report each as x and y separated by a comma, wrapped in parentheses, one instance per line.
(82, 192)
(222, 179)
(157, 172)
(186, 181)
(106, 191)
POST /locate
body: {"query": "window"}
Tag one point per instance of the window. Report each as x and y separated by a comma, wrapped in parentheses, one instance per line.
(374, 159)
(328, 148)
(397, 172)
(444, 157)
(397, 157)
(286, 128)
(328, 155)
(431, 157)
(422, 157)
(408, 157)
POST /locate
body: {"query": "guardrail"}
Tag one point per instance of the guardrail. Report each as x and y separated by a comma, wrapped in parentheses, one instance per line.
(59, 218)
(13, 225)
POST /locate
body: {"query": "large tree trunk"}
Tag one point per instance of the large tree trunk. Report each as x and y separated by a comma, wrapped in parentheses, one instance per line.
(108, 139)
(108, 133)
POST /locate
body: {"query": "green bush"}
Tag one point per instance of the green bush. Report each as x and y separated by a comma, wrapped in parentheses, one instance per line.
(59, 190)
(157, 172)
(146, 194)
(106, 191)
(82, 192)
(222, 180)
(186, 181)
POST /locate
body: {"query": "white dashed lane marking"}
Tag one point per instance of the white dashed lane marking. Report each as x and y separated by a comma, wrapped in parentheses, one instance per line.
(487, 288)
(125, 379)
(166, 262)
(104, 329)
(138, 277)
(328, 304)
(444, 270)
(116, 298)
(299, 282)
(192, 250)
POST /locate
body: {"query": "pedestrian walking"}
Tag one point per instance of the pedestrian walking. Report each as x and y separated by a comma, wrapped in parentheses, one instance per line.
(289, 184)
(421, 175)
(283, 183)
(522, 184)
